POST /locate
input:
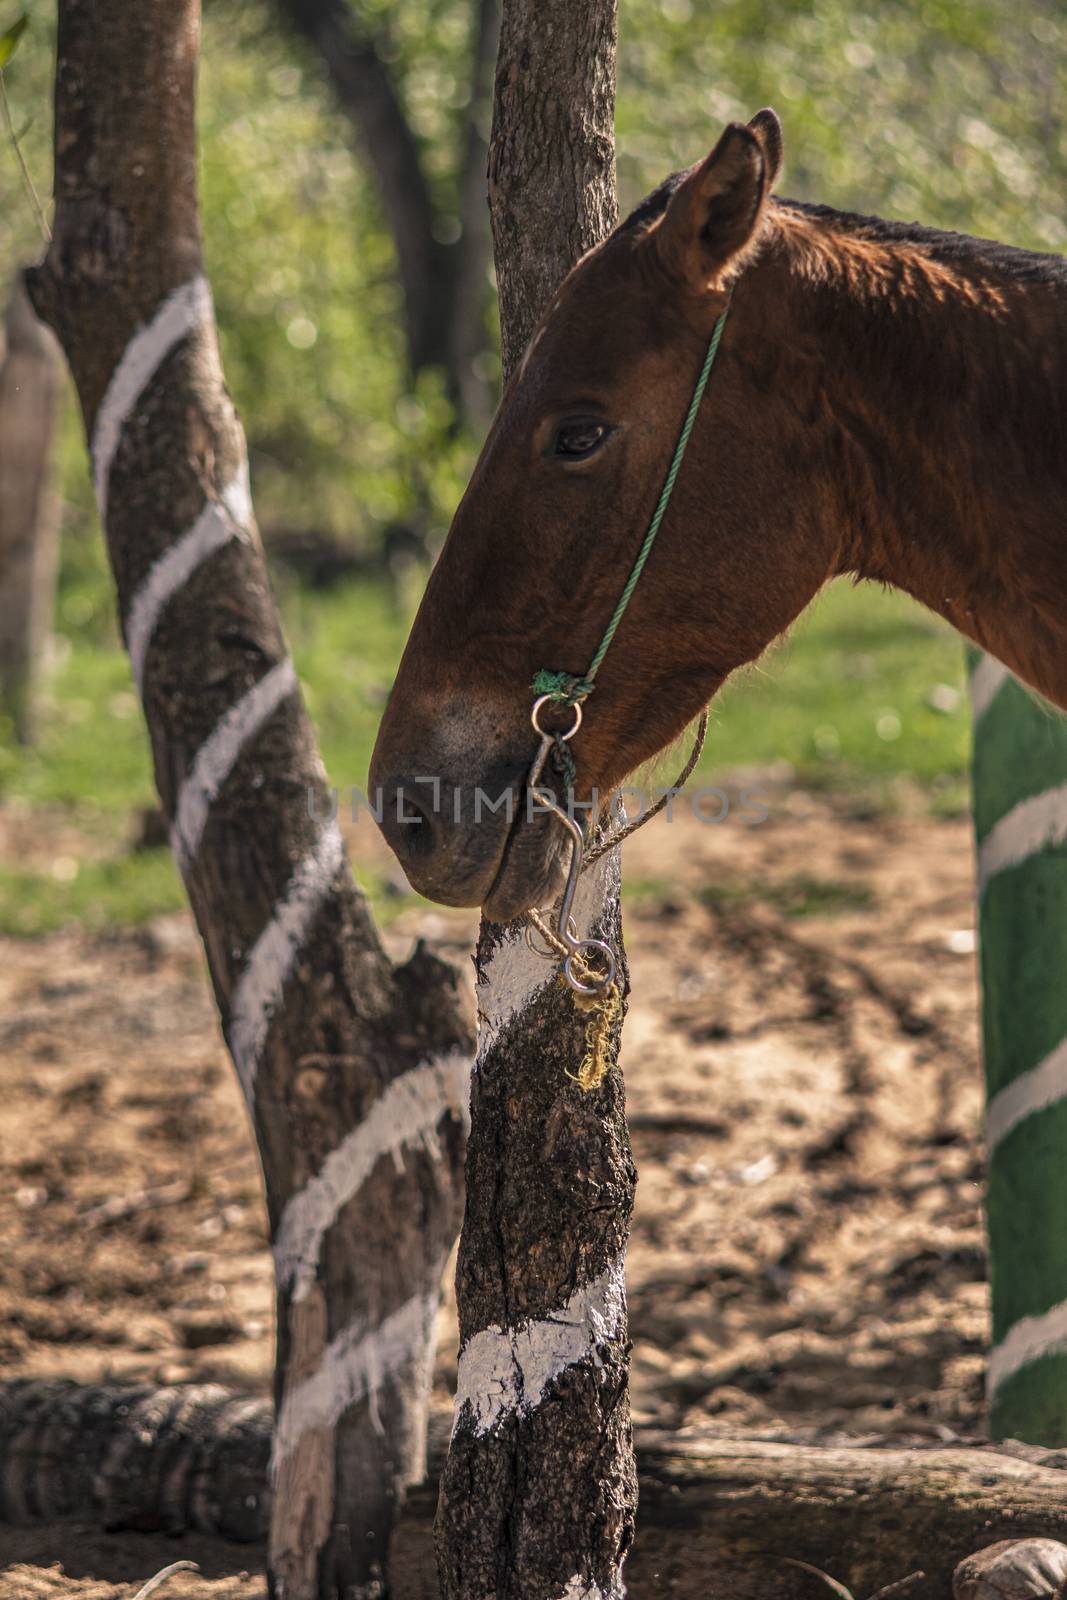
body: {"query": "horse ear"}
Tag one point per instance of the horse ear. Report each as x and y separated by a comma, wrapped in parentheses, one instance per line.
(768, 130)
(716, 210)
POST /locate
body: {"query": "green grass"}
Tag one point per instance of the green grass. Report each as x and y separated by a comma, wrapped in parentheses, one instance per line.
(850, 700)
(125, 890)
(346, 644)
(800, 895)
(846, 702)
(92, 754)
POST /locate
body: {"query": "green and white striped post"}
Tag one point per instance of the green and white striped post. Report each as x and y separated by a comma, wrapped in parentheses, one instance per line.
(1020, 819)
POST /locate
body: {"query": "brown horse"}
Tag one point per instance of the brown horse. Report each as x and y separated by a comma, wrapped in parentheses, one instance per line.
(888, 401)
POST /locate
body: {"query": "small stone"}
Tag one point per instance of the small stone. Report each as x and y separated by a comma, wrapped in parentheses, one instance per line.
(1013, 1569)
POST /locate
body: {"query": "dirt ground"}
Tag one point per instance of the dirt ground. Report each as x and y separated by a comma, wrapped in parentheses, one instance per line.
(802, 1068)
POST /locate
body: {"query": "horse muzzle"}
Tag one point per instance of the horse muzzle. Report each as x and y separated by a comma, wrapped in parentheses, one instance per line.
(474, 844)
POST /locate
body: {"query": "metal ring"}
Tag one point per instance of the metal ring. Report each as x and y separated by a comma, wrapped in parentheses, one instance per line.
(598, 983)
(575, 707)
(548, 953)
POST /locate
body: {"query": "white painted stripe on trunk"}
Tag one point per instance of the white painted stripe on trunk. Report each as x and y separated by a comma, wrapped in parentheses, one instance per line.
(220, 521)
(1030, 826)
(1029, 1339)
(510, 979)
(259, 988)
(215, 759)
(405, 1116)
(514, 974)
(182, 312)
(1032, 1091)
(505, 1371)
(353, 1368)
(987, 680)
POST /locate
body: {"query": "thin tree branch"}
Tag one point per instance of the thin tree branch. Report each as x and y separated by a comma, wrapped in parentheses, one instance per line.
(42, 220)
(366, 93)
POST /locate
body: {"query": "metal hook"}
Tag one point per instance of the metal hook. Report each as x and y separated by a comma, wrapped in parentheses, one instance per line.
(547, 953)
(576, 948)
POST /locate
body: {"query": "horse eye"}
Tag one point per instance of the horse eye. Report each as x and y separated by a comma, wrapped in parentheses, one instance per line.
(577, 439)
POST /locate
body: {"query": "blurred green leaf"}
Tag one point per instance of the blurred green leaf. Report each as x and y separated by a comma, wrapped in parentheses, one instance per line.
(9, 41)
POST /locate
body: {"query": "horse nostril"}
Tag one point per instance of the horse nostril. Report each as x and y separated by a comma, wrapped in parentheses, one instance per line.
(449, 836)
(408, 821)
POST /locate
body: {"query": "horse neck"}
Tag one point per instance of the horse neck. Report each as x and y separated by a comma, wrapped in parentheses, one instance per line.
(946, 386)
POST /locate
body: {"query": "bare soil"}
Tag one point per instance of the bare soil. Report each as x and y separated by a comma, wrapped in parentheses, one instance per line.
(802, 1065)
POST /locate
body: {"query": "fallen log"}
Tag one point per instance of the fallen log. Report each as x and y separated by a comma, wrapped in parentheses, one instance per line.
(191, 1458)
(716, 1515)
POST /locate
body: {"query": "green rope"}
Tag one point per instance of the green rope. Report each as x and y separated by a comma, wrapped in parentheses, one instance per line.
(562, 686)
(566, 686)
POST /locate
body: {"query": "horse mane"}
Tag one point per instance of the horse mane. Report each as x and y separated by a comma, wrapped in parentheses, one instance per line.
(1005, 260)
(653, 205)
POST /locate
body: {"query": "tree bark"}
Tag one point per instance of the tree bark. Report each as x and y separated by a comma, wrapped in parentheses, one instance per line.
(717, 1514)
(539, 1489)
(470, 276)
(551, 152)
(29, 519)
(354, 1071)
(194, 1458)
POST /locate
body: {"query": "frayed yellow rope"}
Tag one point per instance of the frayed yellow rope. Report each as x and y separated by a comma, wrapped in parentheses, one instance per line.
(604, 1006)
(605, 1010)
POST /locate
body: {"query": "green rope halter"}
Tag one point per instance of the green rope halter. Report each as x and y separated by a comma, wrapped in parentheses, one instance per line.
(566, 686)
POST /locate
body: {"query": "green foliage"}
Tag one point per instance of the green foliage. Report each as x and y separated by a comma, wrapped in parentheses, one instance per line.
(27, 84)
(9, 41)
(308, 306)
(932, 108)
(948, 110)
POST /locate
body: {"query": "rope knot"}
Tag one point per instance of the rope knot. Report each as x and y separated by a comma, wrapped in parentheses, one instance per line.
(563, 686)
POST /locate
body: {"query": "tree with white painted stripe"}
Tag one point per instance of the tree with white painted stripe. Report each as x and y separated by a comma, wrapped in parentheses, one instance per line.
(539, 1490)
(355, 1071)
(1020, 816)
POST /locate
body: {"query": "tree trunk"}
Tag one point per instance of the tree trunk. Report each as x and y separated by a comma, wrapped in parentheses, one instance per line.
(1019, 782)
(189, 1459)
(717, 1514)
(470, 267)
(551, 152)
(354, 1071)
(29, 520)
(538, 1493)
